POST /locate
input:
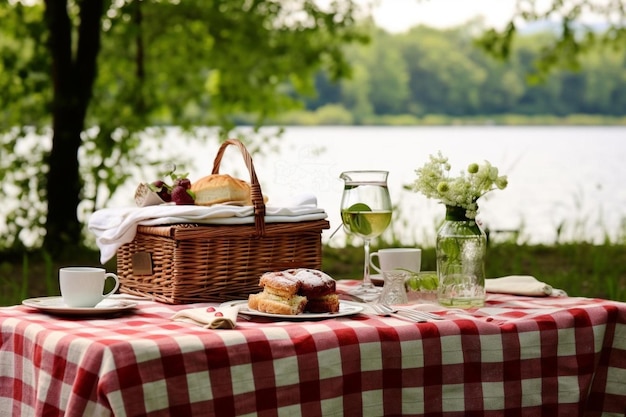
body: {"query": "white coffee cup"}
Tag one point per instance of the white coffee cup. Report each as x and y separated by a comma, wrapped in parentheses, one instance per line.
(83, 286)
(397, 258)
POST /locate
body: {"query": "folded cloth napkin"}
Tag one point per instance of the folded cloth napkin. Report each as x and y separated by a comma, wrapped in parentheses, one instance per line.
(209, 317)
(521, 285)
(113, 227)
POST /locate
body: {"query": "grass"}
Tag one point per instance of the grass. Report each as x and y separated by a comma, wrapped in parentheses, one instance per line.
(35, 274)
(581, 269)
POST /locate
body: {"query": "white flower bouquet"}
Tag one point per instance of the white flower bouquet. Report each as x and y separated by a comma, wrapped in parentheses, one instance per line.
(434, 181)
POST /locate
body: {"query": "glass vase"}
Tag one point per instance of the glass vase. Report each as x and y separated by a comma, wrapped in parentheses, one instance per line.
(461, 248)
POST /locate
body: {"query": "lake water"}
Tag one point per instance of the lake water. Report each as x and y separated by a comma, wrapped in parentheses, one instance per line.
(568, 178)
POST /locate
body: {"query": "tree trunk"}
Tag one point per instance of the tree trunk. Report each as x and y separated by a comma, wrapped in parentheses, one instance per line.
(72, 78)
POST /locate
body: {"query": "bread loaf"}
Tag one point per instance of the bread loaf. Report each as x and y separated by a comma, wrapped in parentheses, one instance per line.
(221, 188)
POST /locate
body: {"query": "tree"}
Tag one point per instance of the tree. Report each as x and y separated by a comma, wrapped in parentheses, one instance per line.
(573, 38)
(120, 67)
(388, 79)
(441, 75)
(73, 75)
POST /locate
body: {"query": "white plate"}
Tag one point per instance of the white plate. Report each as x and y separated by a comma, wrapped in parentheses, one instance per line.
(55, 305)
(346, 308)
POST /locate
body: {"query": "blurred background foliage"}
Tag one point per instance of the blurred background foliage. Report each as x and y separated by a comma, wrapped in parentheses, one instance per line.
(427, 72)
(214, 63)
(227, 63)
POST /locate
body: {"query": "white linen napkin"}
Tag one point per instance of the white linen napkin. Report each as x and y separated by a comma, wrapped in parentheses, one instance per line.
(521, 285)
(113, 227)
(209, 317)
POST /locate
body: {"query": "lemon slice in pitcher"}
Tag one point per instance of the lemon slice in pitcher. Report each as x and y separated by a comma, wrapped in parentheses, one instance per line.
(355, 220)
(359, 207)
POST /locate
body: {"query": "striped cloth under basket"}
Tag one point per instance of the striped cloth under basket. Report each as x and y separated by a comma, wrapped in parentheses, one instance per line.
(187, 263)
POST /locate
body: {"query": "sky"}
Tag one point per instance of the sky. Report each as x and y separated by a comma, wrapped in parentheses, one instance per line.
(399, 15)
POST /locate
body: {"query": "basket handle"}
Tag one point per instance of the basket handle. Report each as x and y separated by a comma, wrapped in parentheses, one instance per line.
(255, 188)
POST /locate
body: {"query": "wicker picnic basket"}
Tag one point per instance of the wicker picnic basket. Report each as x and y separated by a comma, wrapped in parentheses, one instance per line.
(186, 263)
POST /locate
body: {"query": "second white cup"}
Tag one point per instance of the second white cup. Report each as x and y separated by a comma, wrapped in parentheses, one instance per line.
(397, 258)
(83, 286)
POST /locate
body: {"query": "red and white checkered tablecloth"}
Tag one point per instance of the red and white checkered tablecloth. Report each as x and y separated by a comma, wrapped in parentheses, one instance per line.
(517, 356)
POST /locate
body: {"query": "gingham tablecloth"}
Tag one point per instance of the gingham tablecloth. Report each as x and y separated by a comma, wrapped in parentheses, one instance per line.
(517, 356)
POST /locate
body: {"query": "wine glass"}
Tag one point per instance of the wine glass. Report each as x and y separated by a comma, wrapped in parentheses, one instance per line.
(366, 213)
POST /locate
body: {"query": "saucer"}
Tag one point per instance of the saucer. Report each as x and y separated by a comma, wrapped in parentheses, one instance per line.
(55, 305)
